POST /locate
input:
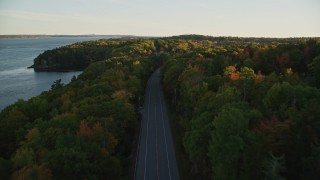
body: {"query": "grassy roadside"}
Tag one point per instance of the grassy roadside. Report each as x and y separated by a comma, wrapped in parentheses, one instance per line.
(177, 135)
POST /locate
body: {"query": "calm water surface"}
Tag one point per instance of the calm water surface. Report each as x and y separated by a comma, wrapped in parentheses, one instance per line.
(18, 82)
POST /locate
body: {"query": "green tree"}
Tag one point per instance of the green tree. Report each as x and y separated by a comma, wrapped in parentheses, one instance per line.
(33, 172)
(11, 120)
(196, 140)
(273, 167)
(297, 61)
(5, 168)
(279, 97)
(311, 164)
(316, 70)
(228, 140)
(56, 85)
(23, 157)
(249, 63)
(247, 77)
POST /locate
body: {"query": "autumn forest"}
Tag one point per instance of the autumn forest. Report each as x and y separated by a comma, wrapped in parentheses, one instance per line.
(239, 108)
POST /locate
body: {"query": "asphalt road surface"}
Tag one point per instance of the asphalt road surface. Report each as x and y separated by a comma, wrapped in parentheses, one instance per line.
(156, 157)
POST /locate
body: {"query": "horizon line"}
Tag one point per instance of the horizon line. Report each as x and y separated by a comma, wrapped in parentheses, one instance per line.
(271, 37)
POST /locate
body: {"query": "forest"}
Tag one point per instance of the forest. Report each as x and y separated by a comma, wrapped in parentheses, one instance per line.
(242, 108)
(247, 110)
(82, 130)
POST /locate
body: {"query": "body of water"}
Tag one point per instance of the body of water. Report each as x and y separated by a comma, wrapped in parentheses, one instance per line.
(16, 54)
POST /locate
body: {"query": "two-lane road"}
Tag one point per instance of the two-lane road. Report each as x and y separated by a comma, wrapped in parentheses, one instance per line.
(156, 157)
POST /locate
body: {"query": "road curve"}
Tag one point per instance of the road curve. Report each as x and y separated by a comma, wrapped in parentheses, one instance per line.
(155, 156)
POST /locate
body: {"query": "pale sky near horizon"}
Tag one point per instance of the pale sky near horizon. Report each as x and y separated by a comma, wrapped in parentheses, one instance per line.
(244, 18)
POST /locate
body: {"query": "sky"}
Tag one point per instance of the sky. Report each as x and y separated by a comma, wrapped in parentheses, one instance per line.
(243, 18)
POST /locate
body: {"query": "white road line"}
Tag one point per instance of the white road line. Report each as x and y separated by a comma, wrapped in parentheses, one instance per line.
(157, 156)
(164, 132)
(145, 158)
(138, 150)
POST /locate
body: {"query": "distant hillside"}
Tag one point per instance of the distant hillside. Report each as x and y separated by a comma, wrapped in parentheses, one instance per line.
(79, 55)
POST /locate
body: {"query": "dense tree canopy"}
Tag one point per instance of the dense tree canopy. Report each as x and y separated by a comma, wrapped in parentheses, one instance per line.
(83, 130)
(248, 108)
